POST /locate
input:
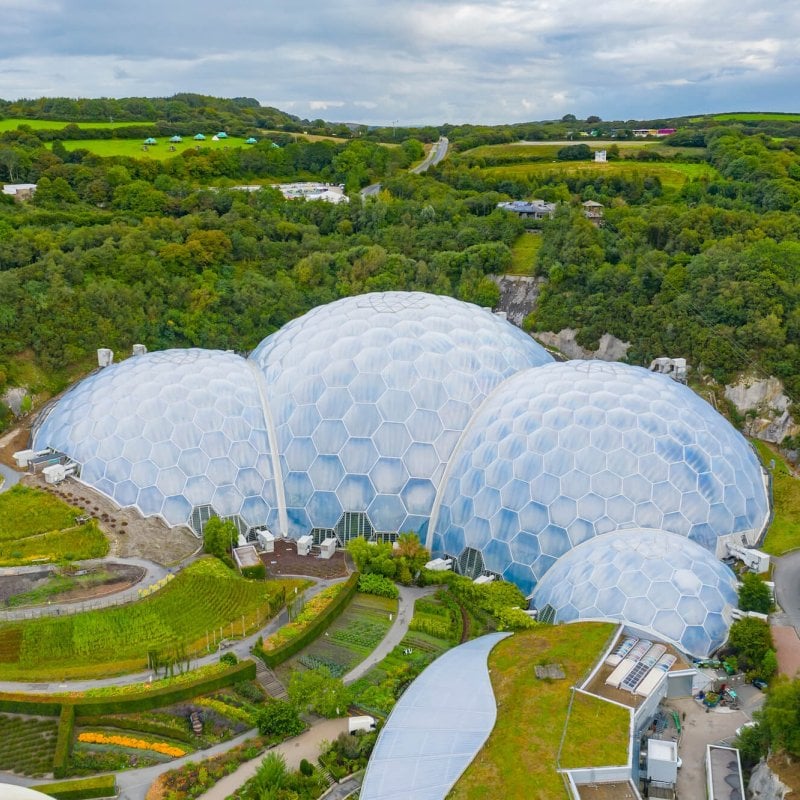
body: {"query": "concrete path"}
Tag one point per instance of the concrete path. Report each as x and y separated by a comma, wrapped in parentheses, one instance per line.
(10, 477)
(241, 648)
(307, 745)
(405, 610)
(787, 587)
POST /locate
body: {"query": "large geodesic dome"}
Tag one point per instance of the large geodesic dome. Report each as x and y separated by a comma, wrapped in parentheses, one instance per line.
(370, 395)
(574, 450)
(659, 582)
(170, 433)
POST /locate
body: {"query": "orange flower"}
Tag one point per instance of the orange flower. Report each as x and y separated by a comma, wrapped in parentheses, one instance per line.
(129, 741)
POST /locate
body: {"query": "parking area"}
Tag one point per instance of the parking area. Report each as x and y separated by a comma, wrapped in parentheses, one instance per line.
(701, 726)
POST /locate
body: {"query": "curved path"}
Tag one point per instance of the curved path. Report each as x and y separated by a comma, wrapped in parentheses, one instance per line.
(787, 586)
(10, 477)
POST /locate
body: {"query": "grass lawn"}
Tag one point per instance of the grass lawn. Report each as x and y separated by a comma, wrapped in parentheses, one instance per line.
(597, 733)
(12, 124)
(519, 758)
(133, 147)
(36, 527)
(26, 512)
(784, 532)
(672, 174)
(523, 253)
(205, 597)
(349, 640)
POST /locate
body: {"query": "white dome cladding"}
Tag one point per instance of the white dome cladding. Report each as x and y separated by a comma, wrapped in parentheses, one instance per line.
(572, 450)
(369, 396)
(660, 583)
(168, 431)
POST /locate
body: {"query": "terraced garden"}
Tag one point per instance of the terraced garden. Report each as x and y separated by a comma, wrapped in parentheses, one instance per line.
(204, 603)
(27, 744)
(434, 628)
(349, 640)
(36, 527)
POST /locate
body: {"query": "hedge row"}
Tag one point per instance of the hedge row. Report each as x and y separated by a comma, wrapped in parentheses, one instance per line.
(81, 789)
(49, 705)
(66, 725)
(314, 629)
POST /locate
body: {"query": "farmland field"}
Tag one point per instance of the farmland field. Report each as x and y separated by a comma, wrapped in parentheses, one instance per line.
(672, 174)
(205, 599)
(134, 148)
(27, 744)
(27, 512)
(759, 117)
(71, 544)
(12, 124)
(349, 640)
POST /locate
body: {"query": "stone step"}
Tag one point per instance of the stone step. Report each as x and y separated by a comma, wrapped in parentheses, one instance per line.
(269, 682)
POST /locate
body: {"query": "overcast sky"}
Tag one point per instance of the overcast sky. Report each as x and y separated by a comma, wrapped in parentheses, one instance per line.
(377, 61)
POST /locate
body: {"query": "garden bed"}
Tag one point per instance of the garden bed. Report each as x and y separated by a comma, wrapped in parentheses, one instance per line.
(285, 561)
(27, 744)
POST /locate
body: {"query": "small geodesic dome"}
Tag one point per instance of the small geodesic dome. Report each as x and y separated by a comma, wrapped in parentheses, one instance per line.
(660, 583)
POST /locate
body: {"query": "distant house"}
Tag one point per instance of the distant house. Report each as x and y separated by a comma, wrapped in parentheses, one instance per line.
(666, 131)
(593, 211)
(19, 191)
(529, 209)
(600, 156)
(642, 132)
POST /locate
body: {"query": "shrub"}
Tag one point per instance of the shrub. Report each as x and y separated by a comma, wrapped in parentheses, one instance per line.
(755, 595)
(279, 719)
(82, 789)
(306, 768)
(231, 659)
(255, 573)
(378, 585)
(66, 726)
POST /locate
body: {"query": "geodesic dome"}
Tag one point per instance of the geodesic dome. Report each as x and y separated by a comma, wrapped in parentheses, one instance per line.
(657, 582)
(169, 432)
(573, 450)
(370, 395)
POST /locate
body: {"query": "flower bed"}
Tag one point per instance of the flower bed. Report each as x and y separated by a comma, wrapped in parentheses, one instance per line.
(226, 710)
(93, 737)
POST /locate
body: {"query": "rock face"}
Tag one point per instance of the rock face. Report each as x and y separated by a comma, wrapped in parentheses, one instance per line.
(14, 398)
(765, 407)
(765, 784)
(518, 295)
(610, 349)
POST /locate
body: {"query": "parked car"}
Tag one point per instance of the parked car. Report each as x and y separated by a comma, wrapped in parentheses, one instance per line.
(759, 684)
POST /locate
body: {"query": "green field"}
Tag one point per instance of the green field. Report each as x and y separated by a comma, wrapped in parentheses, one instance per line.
(597, 733)
(36, 527)
(784, 531)
(521, 750)
(12, 124)
(673, 174)
(758, 117)
(133, 148)
(205, 599)
(523, 254)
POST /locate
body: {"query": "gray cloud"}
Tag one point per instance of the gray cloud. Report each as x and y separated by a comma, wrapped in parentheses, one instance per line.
(416, 61)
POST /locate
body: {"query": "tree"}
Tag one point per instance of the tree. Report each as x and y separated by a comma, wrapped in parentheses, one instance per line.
(750, 639)
(269, 779)
(593, 119)
(754, 594)
(318, 691)
(574, 152)
(781, 716)
(219, 536)
(279, 719)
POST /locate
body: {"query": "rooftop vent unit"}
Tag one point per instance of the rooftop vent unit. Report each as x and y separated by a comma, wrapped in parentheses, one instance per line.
(754, 560)
(105, 357)
(139, 349)
(676, 368)
(24, 457)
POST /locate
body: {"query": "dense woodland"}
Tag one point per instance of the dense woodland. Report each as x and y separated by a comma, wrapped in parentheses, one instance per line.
(113, 251)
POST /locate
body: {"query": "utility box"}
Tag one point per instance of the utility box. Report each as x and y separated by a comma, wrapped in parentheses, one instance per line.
(105, 357)
(662, 760)
(266, 541)
(139, 350)
(304, 545)
(328, 548)
(440, 564)
(481, 579)
(56, 473)
(24, 457)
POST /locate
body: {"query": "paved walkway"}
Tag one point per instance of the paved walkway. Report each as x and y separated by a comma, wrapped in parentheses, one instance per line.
(405, 610)
(307, 746)
(787, 586)
(10, 477)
